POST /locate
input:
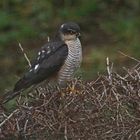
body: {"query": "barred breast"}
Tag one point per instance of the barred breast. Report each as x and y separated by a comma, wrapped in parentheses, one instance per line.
(73, 61)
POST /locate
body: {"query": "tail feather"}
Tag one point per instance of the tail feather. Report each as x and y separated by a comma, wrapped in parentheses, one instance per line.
(22, 84)
(9, 96)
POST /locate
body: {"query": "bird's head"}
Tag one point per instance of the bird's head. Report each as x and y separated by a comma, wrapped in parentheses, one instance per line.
(69, 31)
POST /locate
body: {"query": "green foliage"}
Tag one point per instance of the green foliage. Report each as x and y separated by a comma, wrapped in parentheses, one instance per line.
(123, 27)
(13, 29)
(19, 19)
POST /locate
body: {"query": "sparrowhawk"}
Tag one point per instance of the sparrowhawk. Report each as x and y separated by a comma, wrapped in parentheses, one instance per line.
(59, 58)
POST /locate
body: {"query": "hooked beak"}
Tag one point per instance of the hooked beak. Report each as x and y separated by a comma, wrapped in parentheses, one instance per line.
(78, 34)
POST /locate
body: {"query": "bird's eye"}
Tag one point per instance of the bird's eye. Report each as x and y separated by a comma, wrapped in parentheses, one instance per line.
(72, 32)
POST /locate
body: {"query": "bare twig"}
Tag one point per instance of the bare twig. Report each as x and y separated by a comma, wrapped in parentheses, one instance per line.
(25, 126)
(108, 69)
(25, 55)
(129, 57)
(4, 121)
(48, 38)
(100, 112)
(65, 132)
(17, 124)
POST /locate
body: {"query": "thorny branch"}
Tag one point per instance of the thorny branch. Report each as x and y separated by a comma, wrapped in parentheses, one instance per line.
(106, 108)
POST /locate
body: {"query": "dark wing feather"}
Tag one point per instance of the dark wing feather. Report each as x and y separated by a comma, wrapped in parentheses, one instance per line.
(48, 62)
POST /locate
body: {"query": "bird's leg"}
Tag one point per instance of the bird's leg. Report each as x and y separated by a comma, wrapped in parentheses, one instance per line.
(72, 87)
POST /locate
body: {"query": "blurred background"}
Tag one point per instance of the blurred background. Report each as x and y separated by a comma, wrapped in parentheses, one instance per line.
(108, 26)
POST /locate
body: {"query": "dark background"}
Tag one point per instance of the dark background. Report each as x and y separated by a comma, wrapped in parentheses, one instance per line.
(107, 26)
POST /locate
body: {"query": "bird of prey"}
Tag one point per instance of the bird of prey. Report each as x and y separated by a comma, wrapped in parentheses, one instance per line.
(59, 58)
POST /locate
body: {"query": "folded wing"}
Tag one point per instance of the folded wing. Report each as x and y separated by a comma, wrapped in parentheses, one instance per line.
(47, 63)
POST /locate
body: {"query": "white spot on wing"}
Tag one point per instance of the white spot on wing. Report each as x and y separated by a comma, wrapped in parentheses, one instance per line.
(36, 67)
(38, 58)
(48, 51)
(39, 53)
(43, 51)
(62, 25)
(31, 70)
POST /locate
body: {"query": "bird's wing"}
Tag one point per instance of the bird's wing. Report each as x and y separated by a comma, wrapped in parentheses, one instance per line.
(48, 62)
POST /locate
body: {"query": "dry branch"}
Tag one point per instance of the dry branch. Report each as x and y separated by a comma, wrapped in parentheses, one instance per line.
(4, 121)
(87, 110)
(25, 55)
